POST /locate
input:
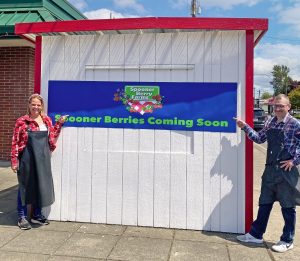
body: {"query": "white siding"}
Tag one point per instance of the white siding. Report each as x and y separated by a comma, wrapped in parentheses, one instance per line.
(161, 178)
(146, 143)
(195, 177)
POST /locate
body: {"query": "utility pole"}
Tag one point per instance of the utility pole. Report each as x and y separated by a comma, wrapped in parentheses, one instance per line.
(193, 8)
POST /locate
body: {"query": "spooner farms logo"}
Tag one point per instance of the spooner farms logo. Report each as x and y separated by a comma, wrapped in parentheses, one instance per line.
(140, 99)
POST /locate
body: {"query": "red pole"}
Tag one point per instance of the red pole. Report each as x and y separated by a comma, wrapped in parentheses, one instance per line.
(249, 120)
(38, 64)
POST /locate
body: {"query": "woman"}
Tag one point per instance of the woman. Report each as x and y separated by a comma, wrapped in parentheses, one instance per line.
(33, 141)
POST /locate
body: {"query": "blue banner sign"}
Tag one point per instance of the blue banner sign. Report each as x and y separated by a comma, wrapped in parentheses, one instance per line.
(145, 105)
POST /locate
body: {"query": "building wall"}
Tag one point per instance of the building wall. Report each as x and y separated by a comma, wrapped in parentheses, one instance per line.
(16, 84)
(160, 178)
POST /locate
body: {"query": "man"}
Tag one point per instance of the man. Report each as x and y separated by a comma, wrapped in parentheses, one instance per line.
(280, 180)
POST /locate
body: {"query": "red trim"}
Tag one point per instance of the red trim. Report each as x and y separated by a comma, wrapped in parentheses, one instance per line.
(259, 37)
(143, 23)
(38, 64)
(249, 119)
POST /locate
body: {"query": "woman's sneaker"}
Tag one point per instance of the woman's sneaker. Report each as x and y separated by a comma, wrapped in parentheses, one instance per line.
(248, 238)
(282, 246)
(41, 220)
(23, 224)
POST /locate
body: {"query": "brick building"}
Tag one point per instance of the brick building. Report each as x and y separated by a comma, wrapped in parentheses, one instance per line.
(17, 57)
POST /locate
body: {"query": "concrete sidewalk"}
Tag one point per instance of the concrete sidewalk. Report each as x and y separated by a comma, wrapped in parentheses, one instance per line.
(82, 241)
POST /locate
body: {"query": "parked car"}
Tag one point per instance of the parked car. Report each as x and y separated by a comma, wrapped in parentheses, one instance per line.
(259, 119)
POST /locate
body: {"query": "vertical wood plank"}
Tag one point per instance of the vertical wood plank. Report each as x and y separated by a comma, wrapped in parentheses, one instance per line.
(195, 181)
(229, 146)
(56, 72)
(115, 140)
(130, 188)
(99, 176)
(114, 188)
(56, 63)
(115, 176)
(213, 154)
(207, 77)
(131, 138)
(86, 56)
(72, 58)
(162, 158)
(212, 73)
(131, 56)
(178, 141)
(147, 56)
(56, 164)
(146, 141)
(84, 174)
(100, 153)
(69, 174)
(163, 56)
(101, 57)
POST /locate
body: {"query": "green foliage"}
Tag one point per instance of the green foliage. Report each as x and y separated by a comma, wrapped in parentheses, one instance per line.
(294, 96)
(266, 95)
(281, 80)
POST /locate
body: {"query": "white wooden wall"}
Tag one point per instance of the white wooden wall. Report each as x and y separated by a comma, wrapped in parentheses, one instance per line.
(160, 178)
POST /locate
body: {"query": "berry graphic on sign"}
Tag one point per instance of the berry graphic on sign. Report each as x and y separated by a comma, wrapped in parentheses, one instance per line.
(140, 99)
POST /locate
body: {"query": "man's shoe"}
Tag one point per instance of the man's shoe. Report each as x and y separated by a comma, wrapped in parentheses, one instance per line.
(282, 246)
(247, 238)
(41, 220)
(23, 224)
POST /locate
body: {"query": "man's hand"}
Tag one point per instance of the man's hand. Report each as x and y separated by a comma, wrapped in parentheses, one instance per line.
(287, 165)
(14, 169)
(239, 123)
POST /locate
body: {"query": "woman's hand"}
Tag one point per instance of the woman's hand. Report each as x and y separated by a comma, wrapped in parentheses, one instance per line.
(14, 169)
(63, 118)
(239, 123)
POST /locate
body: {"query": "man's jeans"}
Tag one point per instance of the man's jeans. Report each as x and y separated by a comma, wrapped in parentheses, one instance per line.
(22, 210)
(258, 227)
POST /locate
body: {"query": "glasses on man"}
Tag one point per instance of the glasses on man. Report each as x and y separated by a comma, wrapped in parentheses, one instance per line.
(279, 106)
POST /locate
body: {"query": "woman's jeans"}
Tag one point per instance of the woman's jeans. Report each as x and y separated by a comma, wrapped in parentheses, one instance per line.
(22, 210)
(258, 227)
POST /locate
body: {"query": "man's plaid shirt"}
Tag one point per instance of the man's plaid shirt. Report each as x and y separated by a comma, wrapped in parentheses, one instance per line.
(20, 135)
(291, 128)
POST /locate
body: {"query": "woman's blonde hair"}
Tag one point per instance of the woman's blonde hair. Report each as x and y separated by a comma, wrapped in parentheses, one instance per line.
(40, 98)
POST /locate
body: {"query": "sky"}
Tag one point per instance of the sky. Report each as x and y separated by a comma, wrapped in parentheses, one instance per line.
(279, 46)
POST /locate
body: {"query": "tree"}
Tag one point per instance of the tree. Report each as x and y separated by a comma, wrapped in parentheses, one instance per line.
(281, 80)
(294, 84)
(294, 96)
(266, 95)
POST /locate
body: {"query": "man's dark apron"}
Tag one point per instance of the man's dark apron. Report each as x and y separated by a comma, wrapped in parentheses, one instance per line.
(34, 174)
(278, 184)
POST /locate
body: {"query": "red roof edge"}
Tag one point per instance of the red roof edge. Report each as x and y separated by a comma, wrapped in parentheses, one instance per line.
(143, 23)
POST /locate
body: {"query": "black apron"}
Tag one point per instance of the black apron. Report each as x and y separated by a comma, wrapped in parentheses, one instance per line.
(34, 174)
(278, 184)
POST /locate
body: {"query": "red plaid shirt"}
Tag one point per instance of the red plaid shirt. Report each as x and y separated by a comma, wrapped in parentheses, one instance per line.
(20, 136)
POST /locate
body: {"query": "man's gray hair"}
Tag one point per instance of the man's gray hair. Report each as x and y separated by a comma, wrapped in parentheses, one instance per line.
(282, 96)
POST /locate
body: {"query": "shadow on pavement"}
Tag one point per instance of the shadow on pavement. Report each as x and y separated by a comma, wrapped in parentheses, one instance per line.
(231, 237)
(8, 203)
